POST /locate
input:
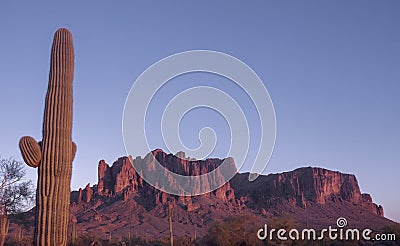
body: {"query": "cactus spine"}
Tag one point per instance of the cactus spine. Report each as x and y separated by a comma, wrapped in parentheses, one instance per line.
(56, 148)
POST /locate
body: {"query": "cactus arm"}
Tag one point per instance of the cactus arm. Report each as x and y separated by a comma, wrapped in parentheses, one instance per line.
(31, 151)
(73, 150)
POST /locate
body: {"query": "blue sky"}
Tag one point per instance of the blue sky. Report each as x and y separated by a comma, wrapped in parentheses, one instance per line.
(332, 69)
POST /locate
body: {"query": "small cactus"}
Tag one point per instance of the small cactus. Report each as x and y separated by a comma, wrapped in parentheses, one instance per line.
(73, 233)
(20, 235)
(170, 215)
(54, 155)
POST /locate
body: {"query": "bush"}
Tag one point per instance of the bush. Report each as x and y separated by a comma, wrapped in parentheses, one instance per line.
(232, 231)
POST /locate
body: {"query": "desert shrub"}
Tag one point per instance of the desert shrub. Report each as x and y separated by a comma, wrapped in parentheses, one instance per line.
(138, 241)
(231, 231)
(87, 240)
(183, 241)
(13, 241)
(133, 241)
(393, 229)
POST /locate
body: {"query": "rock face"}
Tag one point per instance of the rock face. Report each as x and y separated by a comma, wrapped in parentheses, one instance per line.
(296, 188)
(114, 179)
(366, 201)
(303, 186)
(122, 202)
(122, 178)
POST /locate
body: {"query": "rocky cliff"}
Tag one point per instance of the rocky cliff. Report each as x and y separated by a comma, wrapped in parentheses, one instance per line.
(122, 180)
(296, 188)
(303, 186)
(122, 203)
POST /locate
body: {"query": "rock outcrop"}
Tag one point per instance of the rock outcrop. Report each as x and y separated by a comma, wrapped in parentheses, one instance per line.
(302, 186)
(296, 188)
(124, 202)
(122, 179)
(366, 202)
(114, 179)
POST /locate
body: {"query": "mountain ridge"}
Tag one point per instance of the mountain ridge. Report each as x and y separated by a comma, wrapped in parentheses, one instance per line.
(296, 192)
(122, 202)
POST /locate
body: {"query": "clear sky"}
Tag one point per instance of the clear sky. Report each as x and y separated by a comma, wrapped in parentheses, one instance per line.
(332, 69)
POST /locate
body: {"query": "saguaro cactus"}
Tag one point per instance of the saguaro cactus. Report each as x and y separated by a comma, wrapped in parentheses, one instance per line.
(20, 235)
(170, 214)
(73, 233)
(54, 154)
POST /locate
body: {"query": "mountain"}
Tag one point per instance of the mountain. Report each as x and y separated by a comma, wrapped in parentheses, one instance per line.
(122, 203)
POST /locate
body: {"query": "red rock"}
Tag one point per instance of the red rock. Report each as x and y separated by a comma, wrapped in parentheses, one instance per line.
(304, 185)
(79, 196)
(366, 202)
(87, 193)
(105, 177)
(123, 174)
(122, 199)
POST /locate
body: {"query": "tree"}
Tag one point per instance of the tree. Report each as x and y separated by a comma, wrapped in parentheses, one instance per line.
(16, 193)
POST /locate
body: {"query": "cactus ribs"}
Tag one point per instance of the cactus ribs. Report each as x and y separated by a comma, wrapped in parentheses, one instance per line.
(54, 154)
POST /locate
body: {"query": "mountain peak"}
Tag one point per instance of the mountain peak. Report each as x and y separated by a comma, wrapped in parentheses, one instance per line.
(308, 194)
